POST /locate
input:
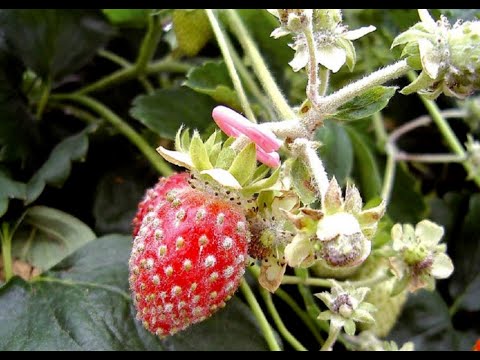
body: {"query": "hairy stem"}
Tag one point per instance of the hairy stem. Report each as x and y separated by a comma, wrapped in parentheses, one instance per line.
(324, 76)
(306, 149)
(288, 279)
(332, 338)
(328, 104)
(267, 297)
(312, 85)
(237, 83)
(259, 66)
(257, 311)
(6, 241)
(125, 129)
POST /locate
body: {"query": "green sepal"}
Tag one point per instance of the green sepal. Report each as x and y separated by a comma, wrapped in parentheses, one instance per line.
(225, 157)
(198, 153)
(244, 165)
(263, 184)
(302, 182)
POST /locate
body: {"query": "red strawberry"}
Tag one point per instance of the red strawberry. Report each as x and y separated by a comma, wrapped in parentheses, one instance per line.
(188, 255)
(156, 194)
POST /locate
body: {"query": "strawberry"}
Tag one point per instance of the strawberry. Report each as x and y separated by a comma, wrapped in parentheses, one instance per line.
(188, 254)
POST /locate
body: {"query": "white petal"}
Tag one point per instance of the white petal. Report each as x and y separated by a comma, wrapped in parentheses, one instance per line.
(340, 223)
(279, 32)
(300, 59)
(300, 250)
(274, 12)
(429, 57)
(271, 274)
(429, 233)
(358, 33)
(332, 57)
(426, 18)
(223, 177)
(442, 266)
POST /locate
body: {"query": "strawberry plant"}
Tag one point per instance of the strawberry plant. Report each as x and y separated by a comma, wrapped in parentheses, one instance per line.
(205, 179)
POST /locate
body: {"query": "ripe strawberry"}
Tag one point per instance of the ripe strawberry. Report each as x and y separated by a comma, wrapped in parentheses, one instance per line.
(188, 255)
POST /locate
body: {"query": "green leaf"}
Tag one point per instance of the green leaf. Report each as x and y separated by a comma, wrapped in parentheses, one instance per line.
(212, 79)
(17, 127)
(46, 236)
(123, 189)
(56, 169)
(192, 30)
(365, 166)
(426, 322)
(302, 182)
(130, 17)
(167, 109)
(336, 150)
(84, 304)
(262, 184)
(407, 204)
(9, 189)
(54, 43)
(244, 165)
(465, 245)
(225, 157)
(371, 101)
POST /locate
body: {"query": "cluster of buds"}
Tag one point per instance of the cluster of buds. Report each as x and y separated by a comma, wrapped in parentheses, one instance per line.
(332, 39)
(449, 56)
(339, 235)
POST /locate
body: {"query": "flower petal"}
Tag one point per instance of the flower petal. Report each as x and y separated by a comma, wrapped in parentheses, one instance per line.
(332, 57)
(300, 59)
(271, 274)
(271, 159)
(358, 33)
(442, 266)
(429, 233)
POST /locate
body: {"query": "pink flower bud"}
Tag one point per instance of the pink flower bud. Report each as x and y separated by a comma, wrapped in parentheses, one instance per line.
(234, 124)
(228, 119)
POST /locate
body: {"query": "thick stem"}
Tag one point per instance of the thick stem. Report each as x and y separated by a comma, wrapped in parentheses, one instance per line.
(306, 149)
(259, 66)
(267, 297)
(312, 85)
(328, 104)
(237, 83)
(257, 311)
(332, 338)
(125, 129)
(6, 240)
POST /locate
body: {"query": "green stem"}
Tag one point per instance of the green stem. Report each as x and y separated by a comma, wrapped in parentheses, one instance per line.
(307, 320)
(249, 81)
(287, 279)
(324, 76)
(379, 128)
(332, 338)
(257, 311)
(125, 129)
(75, 111)
(131, 72)
(259, 66)
(267, 297)
(6, 240)
(237, 83)
(114, 58)
(446, 131)
(149, 44)
(42, 102)
(388, 177)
